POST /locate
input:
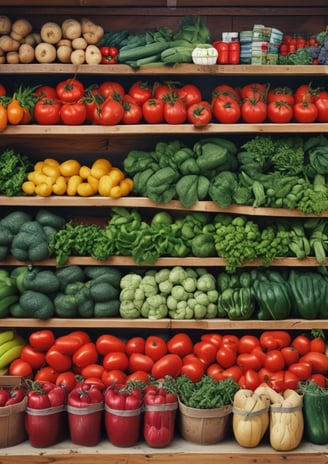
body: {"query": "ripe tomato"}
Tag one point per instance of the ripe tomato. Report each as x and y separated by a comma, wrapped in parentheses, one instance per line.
(132, 113)
(250, 379)
(140, 362)
(66, 380)
(225, 92)
(253, 111)
(303, 370)
(274, 339)
(86, 354)
(107, 343)
(20, 367)
(230, 341)
(318, 344)
(135, 345)
(46, 374)
(140, 91)
(180, 344)
(199, 114)
(155, 347)
(280, 112)
(113, 377)
(291, 380)
(305, 112)
(319, 379)
(138, 376)
(70, 90)
(109, 113)
(256, 91)
(175, 112)
(58, 361)
(153, 110)
(163, 91)
(68, 344)
(302, 344)
(110, 89)
(247, 343)
(233, 372)
(248, 361)
(215, 371)
(116, 360)
(47, 111)
(318, 361)
(42, 340)
(290, 354)
(170, 364)
(226, 112)
(206, 352)
(194, 370)
(189, 94)
(304, 93)
(3, 91)
(214, 338)
(92, 370)
(226, 357)
(322, 107)
(274, 361)
(73, 114)
(281, 94)
(35, 358)
(46, 92)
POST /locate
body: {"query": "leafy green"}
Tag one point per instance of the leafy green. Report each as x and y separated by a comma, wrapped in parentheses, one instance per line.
(13, 172)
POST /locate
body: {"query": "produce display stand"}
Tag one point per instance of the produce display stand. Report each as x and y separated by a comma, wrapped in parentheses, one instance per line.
(58, 141)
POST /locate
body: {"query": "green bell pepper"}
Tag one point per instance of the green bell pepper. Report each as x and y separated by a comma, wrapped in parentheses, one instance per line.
(309, 294)
(273, 299)
(236, 303)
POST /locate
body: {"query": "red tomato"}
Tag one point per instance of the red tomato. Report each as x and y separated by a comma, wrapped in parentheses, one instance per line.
(225, 92)
(250, 379)
(42, 340)
(47, 111)
(46, 374)
(175, 112)
(281, 94)
(302, 344)
(317, 360)
(92, 101)
(116, 360)
(290, 354)
(66, 380)
(180, 344)
(247, 343)
(322, 107)
(274, 361)
(109, 113)
(70, 90)
(153, 110)
(86, 354)
(280, 112)
(194, 370)
(319, 379)
(259, 353)
(231, 341)
(253, 111)
(305, 112)
(189, 94)
(226, 112)
(163, 91)
(68, 344)
(318, 344)
(170, 364)
(214, 338)
(113, 377)
(277, 381)
(248, 361)
(141, 91)
(107, 343)
(226, 357)
(233, 372)
(215, 371)
(255, 91)
(303, 370)
(291, 380)
(20, 367)
(155, 347)
(47, 92)
(199, 114)
(206, 352)
(92, 370)
(135, 345)
(58, 361)
(35, 358)
(303, 94)
(132, 113)
(110, 89)
(138, 376)
(3, 91)
(140, 362)
(274, 339)
(73, 114)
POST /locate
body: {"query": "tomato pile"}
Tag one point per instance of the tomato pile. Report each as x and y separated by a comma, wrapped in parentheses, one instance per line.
(273, 357)
(70, 102)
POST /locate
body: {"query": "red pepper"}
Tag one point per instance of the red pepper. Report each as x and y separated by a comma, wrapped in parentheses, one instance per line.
(109, 55)
(159, 415)
(122, 413)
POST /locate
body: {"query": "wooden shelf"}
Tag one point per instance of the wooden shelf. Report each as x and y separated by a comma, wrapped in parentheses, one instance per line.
(165, 324)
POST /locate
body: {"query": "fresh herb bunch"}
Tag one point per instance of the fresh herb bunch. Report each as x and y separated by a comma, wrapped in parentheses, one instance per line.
(13, 172)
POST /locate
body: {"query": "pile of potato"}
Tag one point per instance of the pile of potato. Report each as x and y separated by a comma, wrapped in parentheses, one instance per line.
(74, 41)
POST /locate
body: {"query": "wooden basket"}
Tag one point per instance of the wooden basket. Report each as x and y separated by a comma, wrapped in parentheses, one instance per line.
(12, 418)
